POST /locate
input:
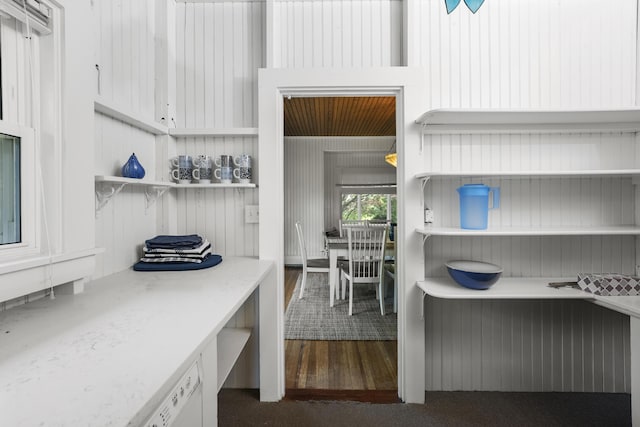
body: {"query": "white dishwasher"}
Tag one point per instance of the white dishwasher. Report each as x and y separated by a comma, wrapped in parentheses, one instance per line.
(183, 406)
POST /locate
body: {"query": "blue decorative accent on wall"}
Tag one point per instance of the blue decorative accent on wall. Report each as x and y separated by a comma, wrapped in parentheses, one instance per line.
(473, 5)
(451, 5)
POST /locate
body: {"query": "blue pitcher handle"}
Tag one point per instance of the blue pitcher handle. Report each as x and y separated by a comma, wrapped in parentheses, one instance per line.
(496, 197)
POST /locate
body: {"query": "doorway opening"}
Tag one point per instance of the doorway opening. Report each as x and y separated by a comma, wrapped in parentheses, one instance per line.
(335, 170)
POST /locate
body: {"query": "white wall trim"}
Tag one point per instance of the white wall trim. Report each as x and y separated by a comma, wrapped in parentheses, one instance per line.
(408, 86)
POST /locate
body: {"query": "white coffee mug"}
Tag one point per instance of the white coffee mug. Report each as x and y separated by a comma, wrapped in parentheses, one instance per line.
(185, 175)
(243, 162)
(226, 174)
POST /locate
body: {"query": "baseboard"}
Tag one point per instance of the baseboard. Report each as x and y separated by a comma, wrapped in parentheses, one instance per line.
(368, 396)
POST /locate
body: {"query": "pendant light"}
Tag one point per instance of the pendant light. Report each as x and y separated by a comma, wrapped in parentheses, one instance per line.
(392, 157)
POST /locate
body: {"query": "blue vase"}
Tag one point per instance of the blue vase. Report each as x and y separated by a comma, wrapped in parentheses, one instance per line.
(133, 168)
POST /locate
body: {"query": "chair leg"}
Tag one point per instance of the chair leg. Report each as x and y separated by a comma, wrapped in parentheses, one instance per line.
(304, 282)
(351, 297)
(382, 292)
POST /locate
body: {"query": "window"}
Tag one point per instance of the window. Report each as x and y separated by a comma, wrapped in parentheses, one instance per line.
(18, 187)
(9, 189)
(366, 206)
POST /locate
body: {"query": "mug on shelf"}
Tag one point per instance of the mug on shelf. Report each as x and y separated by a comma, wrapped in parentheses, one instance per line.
(243, 162)
(226, 174)
(185, 175)
(183, 169)
(224, 161)
(204, 165)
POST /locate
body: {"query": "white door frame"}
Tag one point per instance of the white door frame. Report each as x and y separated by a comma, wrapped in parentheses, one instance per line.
(408, 85)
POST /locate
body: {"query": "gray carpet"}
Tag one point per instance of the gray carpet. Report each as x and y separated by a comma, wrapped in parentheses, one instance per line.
(311, 318)
(243, 408)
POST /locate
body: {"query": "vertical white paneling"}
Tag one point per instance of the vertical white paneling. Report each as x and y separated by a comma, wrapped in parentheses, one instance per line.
(124, 223)
(338, 33)
(525, 346)
(529, 54)
(219, 51)
(218, 214)
(125, 53)
(308, 197)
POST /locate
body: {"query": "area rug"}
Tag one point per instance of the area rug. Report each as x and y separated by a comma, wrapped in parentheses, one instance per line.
(311, 318)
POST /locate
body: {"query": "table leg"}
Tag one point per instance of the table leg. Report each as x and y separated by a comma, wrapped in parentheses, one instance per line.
(635, 370)
(333, 265)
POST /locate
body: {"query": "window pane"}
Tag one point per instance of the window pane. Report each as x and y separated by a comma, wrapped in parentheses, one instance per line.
(9, 189)
(350, 207)
(373, 206)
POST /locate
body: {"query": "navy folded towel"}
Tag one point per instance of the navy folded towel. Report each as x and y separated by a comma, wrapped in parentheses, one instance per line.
(210, 261)
(188, 241)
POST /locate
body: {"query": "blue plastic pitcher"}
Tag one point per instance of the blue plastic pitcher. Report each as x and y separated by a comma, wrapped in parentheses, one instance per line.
(474, 205)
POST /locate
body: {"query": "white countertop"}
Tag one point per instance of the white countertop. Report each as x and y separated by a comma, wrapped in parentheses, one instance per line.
(107, 356)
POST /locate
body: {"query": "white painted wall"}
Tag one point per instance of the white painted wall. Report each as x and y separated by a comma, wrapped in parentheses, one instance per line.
(309, 178)
(337, 33)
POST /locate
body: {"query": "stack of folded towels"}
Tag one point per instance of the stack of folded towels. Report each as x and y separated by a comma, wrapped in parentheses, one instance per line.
(177, 252)
(189, 248)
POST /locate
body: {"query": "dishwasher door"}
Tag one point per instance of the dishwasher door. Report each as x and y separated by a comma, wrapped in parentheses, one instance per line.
(191, 413)
(183, 406)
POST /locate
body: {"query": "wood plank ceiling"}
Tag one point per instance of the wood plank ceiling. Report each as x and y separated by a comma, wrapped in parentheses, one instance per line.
(340, 116)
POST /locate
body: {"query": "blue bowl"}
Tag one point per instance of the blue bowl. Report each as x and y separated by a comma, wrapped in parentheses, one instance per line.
(474, 274)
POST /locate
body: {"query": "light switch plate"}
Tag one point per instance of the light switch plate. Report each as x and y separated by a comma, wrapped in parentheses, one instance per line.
(251, 214)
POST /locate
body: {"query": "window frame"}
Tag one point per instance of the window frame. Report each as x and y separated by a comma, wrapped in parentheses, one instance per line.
(29, 189)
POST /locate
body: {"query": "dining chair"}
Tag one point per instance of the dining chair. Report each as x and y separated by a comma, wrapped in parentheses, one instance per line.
(343, 224)
(366, 247)
(314, 265)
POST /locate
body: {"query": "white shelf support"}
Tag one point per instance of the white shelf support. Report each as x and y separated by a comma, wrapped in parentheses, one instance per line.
(424, 238)
(424, 294)
(105, 191)
(151, 195)
(423, 184)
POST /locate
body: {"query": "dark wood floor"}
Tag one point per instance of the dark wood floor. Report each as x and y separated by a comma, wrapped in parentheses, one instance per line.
(324, 368)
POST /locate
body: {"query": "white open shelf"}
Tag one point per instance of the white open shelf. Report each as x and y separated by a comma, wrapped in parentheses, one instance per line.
(231, 342)
(216, 185)
(504, 288)
(184, 132)
(477, 121)
(621, 230)
(532, 174)
(133, 181)
(134, 119)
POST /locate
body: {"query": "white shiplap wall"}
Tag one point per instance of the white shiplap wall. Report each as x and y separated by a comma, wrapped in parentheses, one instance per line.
(337, 33)
(219, 48)
(218, 214)
(124, 52)
(124, 42)
(305, 178)
(530, 54)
